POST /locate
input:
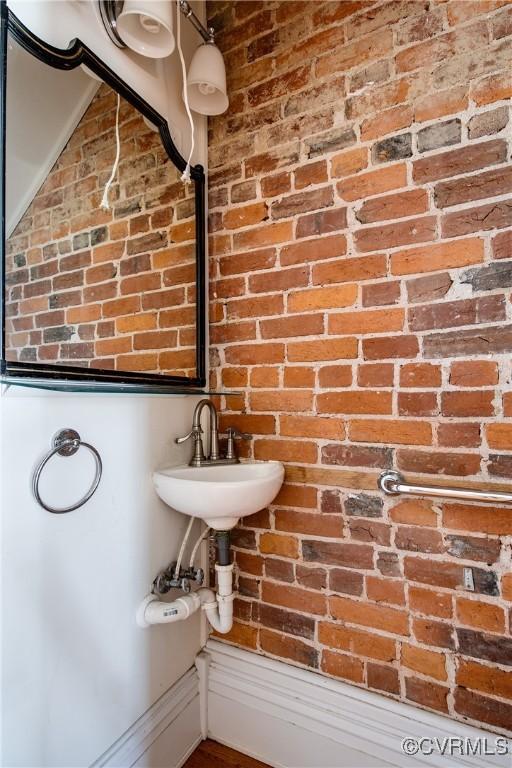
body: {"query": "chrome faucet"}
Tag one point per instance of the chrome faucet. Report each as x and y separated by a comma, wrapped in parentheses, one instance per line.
(198, 458)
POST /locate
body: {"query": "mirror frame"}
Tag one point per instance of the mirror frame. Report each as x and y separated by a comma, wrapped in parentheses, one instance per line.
(66, 59)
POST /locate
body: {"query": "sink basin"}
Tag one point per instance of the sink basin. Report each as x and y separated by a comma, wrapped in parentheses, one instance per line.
(220, 495)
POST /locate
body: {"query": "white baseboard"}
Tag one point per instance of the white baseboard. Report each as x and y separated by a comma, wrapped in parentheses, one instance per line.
(165, 735)
(292, 718)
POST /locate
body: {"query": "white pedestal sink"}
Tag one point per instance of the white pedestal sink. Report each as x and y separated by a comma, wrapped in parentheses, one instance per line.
(220, 495)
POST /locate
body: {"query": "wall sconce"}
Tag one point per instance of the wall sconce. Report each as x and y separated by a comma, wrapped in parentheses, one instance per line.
(145, 26)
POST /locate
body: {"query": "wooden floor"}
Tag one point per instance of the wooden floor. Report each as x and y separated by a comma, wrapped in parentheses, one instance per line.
(210, 754)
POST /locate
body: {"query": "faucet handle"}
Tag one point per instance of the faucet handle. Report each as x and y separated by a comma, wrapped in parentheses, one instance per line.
(195, 432)
(233, 432)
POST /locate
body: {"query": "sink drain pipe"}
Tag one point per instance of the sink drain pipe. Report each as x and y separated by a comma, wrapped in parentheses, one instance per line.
(217, 606)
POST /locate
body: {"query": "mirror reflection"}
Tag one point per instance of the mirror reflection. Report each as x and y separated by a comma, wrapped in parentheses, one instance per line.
(86, 286)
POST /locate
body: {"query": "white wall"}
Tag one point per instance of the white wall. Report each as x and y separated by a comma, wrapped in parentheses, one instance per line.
(76, 670)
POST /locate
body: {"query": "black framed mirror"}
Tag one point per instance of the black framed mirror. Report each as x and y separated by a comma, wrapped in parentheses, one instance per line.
(90, 293)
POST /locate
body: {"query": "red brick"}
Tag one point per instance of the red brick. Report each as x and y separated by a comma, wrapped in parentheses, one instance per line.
(391, 431)
(425, 662)
(286, 450)
(461, 464)
(354, 402)
(419, 539)
(443, 103)
(372, 375)
(278, 86)
(343, 666)
(294, 597)
(345, 270)
(483, 709)
(474, 373)
(300, 325)
(420, 375)
(269, 234)
(484, 616)
(249, 354)
(328, 349)
(385, 590)
(357, 641)
(279, 281)
(312, 426)
(390, 347)
(426, 693)
(302, 202)
(313, 250)
(277, 184)
(381, 617)
(314, 173)
(440, 256)
(321, 223)
(367, 322)
(292, 521)
(281, 400)
(394, 206)
(322, 298)
(474, 403)
(388, 121)
(493, 88)
(383, 678)
(354, 53)
(288, 648)
(396, 234)
(278, 544)
(469, 517)
(297, 496)
(430, 603)
(257, 306)
(436, 633)
(459, 435)
(381, 294)
(457, 161)
(487, 679)
(502, 245)
(349, 162)
(485, 217)
(373, 182)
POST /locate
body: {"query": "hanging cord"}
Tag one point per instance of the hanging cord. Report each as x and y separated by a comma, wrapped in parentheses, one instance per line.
(186, 173)
(197, 545)
(182, 550)
(104, 200)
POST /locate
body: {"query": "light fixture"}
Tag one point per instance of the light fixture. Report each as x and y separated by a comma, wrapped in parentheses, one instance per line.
(206, 81)
(145, 26)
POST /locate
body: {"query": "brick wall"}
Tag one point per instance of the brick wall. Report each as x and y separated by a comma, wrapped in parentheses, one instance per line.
(106, 289)
(361, 244)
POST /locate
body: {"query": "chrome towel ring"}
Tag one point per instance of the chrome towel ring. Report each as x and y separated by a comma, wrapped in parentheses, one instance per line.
(66, 443)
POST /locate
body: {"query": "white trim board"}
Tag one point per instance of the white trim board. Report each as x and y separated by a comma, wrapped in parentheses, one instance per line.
(292, 718)
(165, 735)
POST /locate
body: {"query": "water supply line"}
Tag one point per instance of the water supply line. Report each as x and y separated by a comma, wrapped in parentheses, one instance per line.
(218, 606)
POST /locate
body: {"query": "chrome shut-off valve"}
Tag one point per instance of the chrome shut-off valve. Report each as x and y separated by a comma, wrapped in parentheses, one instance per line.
(168, 579)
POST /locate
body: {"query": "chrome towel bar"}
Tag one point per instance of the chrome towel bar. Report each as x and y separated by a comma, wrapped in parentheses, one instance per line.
(66, 443)
(393, 483)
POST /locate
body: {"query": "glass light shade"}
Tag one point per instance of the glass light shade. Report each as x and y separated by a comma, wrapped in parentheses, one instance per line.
(206, 81)
(146, 27)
